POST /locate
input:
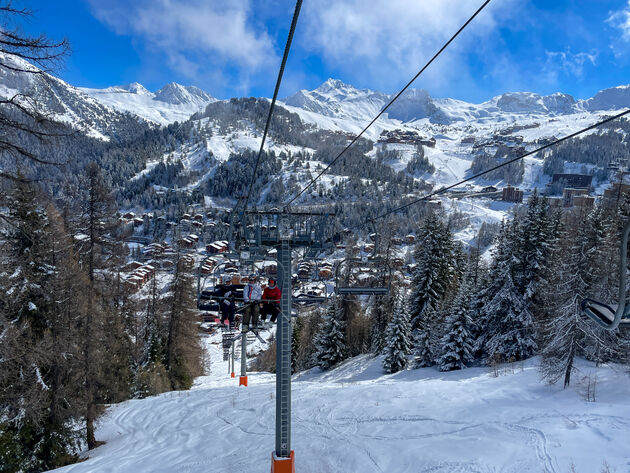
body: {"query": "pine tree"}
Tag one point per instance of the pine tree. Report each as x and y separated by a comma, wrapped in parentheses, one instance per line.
(424, 340)
(398, 338)
(456, 344)
(508, 322)
(434, 272)
(330, 346)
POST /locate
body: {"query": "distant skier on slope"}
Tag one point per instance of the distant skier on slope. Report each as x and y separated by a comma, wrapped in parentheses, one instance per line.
(252, 294)
(271, 301)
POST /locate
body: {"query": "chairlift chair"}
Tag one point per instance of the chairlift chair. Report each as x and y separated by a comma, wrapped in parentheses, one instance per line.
(363, 286)
(609, 316)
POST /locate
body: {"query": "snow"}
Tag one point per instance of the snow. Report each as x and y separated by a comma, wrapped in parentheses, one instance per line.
(355, 418)
(171, 103)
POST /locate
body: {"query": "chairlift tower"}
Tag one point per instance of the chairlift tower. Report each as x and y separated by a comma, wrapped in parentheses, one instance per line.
(254, 233)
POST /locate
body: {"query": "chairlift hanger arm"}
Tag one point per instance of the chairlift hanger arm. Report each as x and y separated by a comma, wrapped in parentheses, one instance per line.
(603, 314)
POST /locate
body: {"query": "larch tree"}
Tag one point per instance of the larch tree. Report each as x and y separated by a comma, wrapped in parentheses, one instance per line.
(183, 357)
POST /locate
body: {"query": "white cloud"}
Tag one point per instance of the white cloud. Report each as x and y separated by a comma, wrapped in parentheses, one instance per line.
(621, 20)
(568, 63)
(181, 29)
(385, 41)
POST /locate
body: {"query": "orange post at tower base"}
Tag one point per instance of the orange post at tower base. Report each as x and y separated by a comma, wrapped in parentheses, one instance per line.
(242, 381)
(283, 465)
(232, 375)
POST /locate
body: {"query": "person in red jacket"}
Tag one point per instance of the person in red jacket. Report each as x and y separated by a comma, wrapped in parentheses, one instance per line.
(271, 301)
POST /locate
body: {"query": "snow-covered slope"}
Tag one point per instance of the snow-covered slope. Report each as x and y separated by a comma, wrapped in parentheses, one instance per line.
(171, 103)
(356, 419)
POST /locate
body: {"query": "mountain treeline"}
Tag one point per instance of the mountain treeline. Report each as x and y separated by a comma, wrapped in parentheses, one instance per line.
(459, 310)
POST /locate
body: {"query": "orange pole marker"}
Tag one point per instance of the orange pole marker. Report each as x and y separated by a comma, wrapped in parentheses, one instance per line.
(242, 381)
(283, 465)
(232, 375)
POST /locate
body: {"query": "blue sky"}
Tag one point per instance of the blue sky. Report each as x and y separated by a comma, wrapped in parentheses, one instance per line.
(233, 47)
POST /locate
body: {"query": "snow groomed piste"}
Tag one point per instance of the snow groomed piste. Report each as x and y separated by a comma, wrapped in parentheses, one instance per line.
(354, 418)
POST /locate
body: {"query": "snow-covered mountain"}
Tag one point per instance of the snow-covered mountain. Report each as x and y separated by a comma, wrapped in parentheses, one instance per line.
(455, 134)
(336, 99)
(62, 101)
(173, 102)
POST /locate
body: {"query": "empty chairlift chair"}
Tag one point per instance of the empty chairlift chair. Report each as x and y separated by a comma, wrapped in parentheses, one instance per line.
(612, 316)
(363, 276)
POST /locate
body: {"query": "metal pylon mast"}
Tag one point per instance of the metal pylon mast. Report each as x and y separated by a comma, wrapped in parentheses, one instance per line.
(283, 357)
(255, 232)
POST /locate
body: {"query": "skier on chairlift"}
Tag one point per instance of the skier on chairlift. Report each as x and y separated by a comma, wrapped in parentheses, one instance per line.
(271, 301)
(227, 294)
(252, 294)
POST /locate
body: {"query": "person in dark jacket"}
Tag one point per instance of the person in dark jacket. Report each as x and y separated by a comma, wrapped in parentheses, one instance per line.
(271, 301)
(226, 294)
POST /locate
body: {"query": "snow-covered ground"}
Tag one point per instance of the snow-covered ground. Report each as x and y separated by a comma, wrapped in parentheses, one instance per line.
(356, 419)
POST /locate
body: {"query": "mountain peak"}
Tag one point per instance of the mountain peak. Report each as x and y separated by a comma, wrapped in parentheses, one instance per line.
(178, 94)
(335, 85)
(136, 88)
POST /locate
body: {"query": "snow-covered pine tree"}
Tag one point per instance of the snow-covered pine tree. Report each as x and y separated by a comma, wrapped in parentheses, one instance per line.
(456, 343)
(531, 248)
(510, 324)
(398, 340)
(423, 339)
(330, 344)
(431, 278)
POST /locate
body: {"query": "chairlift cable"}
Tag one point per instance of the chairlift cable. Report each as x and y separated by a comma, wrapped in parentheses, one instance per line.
(296, 13)
(390, 103)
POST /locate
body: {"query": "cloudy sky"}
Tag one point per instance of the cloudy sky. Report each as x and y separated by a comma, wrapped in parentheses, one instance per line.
(233, 47)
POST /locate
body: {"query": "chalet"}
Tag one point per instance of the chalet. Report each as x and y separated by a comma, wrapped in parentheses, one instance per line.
(129, 215)
(207, 267)
(326, 270)
(410, 239)
(137, 222)
(132, 266)
(198, 217)
(187, 261)
(217, 247)
(187, 242)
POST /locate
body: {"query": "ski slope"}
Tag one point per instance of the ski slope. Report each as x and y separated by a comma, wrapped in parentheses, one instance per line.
(355, 419)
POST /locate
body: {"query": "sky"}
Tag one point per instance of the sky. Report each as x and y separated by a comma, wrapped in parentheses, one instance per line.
(233, 48)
